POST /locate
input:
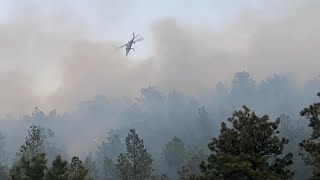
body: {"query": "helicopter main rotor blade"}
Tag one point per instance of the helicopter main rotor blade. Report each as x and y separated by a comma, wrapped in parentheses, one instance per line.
(136, 36)
(140, 39)
(119, 47)
(123, 46)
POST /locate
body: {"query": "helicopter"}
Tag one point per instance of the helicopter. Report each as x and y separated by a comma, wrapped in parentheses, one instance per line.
(128, 45)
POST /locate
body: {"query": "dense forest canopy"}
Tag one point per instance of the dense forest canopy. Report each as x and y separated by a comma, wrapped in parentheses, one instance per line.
(174, 130)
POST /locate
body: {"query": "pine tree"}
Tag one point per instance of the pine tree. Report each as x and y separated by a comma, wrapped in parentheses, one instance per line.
(184, 173)
(159, 177)
(90, 164)
(32, 151)
(249, 150)
(2, 148)
(206, 127)
(110, 171)
(58, 170)
(312, 145)
(3, 158)
(173, 156)
(76, 170)
(34, 168)
(111, 148)
(37, 167)
(296, 134)
(34, 143)
(15, 173)
(191, 166)
(107, 154)
(40, 119)
(3, 172)
(136, 164)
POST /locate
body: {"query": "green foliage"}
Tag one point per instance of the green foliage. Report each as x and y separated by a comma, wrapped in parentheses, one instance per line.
(107, 154)
(184, 173)
(3, 158)
(3, 172)
(34, 143)
(90, 164)
(248, 150)
(30, 169)
(111, 148)
(160, 177)
(295, 133)
(58, 170)
(164, 177)
(40, 119)
(31, 161)
(2, 148)
(173, 156)
(206, 129)
(136, 163)
(37, 167)
(76, 170)
(110, 171)
(16, 173)
(242, 87)
(191, 165)
(312, 145)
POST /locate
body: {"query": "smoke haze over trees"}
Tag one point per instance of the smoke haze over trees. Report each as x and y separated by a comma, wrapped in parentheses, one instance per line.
(57, 60)
(162, 118)
(85, 97)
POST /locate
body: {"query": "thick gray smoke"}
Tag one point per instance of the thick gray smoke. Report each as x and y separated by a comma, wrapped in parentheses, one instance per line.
(55, 50)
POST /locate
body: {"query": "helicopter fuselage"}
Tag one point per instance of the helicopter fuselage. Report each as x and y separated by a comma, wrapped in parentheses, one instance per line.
(129, 45)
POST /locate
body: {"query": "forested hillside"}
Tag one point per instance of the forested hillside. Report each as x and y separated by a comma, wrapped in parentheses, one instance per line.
(247, 130)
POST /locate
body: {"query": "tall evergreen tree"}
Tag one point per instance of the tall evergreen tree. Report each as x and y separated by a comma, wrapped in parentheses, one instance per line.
(76, 170)
(58, 170)
(110, 171)
(3, 172)
(32, 151)
(312, 145)
(136, 163)
(107, 154)
(173, 156)
(3, 158)
(90, 164)
(159, 177)
(2, 148)
(191, 165)
(186, 174)
(249, 150)
(41, 120)
(295, 133)
(243, 87)
(37, 167)
(112, 147)
(206, 125)
(34, 143)
(34, 168)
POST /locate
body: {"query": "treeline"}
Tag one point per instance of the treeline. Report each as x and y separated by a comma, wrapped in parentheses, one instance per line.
(248, 147)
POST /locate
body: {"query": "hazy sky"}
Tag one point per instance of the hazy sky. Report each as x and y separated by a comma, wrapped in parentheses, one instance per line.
(117, 19)
(66, 49)
(54, 54)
